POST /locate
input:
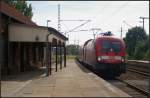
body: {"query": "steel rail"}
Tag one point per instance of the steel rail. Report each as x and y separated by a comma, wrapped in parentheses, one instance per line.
(139, 72)
(135, 88)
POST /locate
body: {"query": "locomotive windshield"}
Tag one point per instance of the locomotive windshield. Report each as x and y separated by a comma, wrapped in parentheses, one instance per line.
(108, 46)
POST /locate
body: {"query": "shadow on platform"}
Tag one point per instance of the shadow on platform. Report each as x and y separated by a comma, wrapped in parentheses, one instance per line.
(23, 76)
(82, 67)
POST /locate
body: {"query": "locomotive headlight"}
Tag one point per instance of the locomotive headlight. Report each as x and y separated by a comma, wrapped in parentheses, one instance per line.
(123, 60)
(118, 57)
(99, 58)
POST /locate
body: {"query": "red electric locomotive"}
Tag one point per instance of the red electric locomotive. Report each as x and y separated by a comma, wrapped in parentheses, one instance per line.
(105, 55)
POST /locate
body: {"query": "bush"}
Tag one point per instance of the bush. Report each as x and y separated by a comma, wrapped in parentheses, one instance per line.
(146, 56)
(140, 50)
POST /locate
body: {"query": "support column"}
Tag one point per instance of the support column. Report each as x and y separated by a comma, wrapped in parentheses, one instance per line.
(22, 57)
(25, 57)
(19, 57)
(50, 56)
(47, 59)
(8, 59)
(64, 56)
(28, 58)
(34, 53)
(37, 54)
(8, 21)
(44, 56)
(56, 57)
(60, 56)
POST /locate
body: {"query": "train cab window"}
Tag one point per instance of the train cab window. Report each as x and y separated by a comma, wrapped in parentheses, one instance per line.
(107, 45)
(116, 46)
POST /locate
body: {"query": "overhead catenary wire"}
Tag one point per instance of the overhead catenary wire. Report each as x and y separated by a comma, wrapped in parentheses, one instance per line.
(116, 11)
(79, 26)
(101, 11)
(72, 30)
(106, 19)
(105, 6)
(127, 24)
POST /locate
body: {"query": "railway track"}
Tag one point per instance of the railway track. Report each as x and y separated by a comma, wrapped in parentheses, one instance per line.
(128, 88)
(131, 80)
(144, 92)
(126, 84)
(141, 67)
(139, 72)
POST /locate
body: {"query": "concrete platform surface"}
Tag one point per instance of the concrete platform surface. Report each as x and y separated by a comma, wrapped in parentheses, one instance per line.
(72, 81)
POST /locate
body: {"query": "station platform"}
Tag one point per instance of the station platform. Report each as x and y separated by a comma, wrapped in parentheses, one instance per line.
(72, 81)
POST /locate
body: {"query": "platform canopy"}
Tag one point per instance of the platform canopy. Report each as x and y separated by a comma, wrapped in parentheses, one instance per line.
(25, 33)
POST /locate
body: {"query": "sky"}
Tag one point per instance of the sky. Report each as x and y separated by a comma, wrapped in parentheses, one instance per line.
(103, 15)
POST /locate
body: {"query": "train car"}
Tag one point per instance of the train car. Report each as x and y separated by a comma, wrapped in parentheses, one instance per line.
(104, 55)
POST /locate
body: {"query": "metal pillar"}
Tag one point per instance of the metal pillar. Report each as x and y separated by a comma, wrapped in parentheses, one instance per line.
(59, 26)
(8, 58)
(60, 56)
(121, 32)
(50, 56)
(37, 53)
(64, 56)
(8, 46)
(22, 57)
(19, 58)
(47, 59)
(56, 56)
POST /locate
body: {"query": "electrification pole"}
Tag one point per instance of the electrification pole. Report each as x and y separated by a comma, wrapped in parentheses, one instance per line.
(95, 29)
(143, 18)
(121, 32)
(59, 26)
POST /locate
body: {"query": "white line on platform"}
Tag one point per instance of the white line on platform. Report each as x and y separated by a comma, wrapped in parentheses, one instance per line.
(23, 85)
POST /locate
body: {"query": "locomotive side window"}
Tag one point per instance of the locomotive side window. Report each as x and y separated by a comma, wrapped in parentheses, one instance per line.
(108, 45)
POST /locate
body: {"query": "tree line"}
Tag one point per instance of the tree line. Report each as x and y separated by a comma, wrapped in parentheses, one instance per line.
(21, 6)
(137, 42)
(72, 49)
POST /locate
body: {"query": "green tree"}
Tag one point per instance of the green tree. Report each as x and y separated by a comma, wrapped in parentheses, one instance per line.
(140, 50)
(28, 9)
(133, 37)
(72, 49)
(21, 5)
